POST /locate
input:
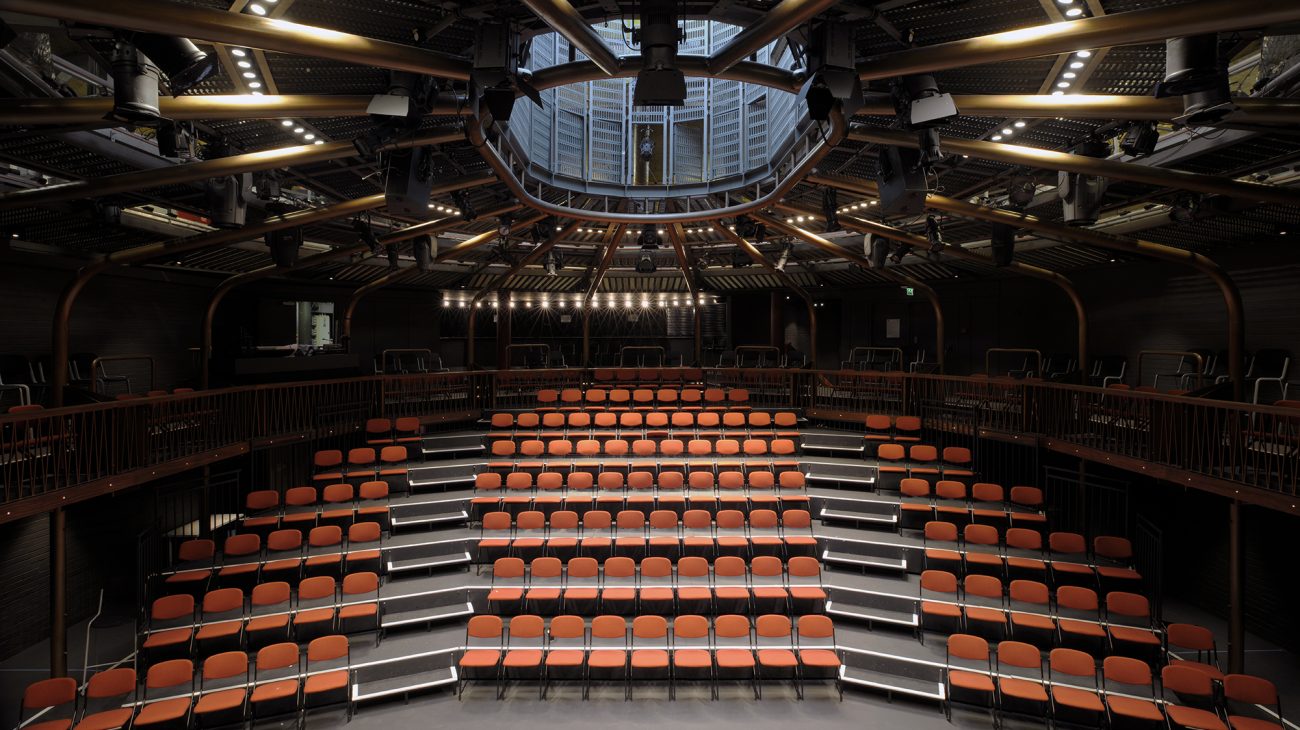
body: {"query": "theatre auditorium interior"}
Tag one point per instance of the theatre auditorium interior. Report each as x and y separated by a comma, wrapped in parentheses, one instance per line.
(873, 364)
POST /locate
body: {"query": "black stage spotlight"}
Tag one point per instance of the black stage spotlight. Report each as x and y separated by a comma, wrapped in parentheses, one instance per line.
(135, 84)
(394, 259)
(830, 209)
(745, 227)
(496, 77)
(267, 185)
(645, 263)
(552, 263)
(1186, 209)
(182, 61)
(740, 259)
(408, 181)
(920, 104)
(877, 250)
(228, 199)
(461, 200)
(832, 74)
(175, 139)
(900, 250)
(1021, 191)
(1139, 139)
(645, 149)
(934, 234)
(1002, 238)
(1081, 195)
(503, 226)
(1196, 71)
(659, 82)
(366, 235)
(649, 238)
(902, 183)
(424, 249)
(284, 245)
(403, 104)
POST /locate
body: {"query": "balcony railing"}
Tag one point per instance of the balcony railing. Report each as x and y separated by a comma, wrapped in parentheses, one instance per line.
(57, 455)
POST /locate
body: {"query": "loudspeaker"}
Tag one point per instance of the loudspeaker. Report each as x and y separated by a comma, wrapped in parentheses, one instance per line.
(409, 181)
(901, 181)
(1003, 238)
(284, 245)
(424, 250)
(879, 252)
(228, 199)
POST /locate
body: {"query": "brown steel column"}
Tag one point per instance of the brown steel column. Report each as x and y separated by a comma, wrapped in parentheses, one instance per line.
(58, 593)
(776, 334)
(469, 338)
(677, 238)
(94, 110)
(504, 322)
(586, 337)
(1236, 591)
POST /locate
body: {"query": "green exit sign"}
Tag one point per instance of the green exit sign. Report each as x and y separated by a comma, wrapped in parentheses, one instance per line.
(910, 291)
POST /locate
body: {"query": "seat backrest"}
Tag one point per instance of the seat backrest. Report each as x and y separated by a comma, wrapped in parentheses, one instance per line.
(609, 627)
(984, 586)
(364, 532)
(1077, 598)
(766, 566)
(117, 682)
(1022, 538)
(526, 626)
(913, 487)
(1132, 605)
(978, 534)
(1126, 670)
(1029, 591)
(923, 453)
(796, 519)
(170, 608)
(1027, 496)
(656, 567)
(327, 649)
(690, 626)
(1189, 636)
(1115, 548)
(939, 581)
(941, 531)
(225, 665)
(619, 567)
(192, 550)
(729, 566)
(597, 519)
(1067, 543)
(568, 627)
(731, 626)
(692, 567)
(48, 693)
(270, 594)
(802, 566)
(316, 587)
(1073, 662)
(484, 626)
(890, 452)
(325, 536)
(986, 492)
(507, 568)
(300, 496)
(950, 489)
(1020, 654)
(174, 673)
(335, 493)
(487, 480)
(262, 499)
(967, 646)
(373, 490)
(958, 455)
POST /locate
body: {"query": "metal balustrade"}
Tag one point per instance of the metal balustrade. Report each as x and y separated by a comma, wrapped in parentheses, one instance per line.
(54, 456)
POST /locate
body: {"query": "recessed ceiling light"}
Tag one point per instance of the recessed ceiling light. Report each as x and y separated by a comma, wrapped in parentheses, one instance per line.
(1083, 54)
(255, 85)
(250, 75)
(1019, 124)
(1058, 93)
(1007, 130)
(238, 52)
(257, 9)
(996, 137)
(1074, 12)
(298, 130)
(1069, 75)
(287, 123)
(1063, 85)
(244, 64)
(309, 136)
(1077, 64)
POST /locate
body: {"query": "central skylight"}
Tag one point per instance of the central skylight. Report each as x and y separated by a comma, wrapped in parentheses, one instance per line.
(589, 138)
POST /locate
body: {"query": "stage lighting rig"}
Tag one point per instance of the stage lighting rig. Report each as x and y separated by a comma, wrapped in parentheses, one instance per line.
(1021, 191)
(900, 250)
(228, 199)
(496, 75)
(921, 107)
(830, 209)
(1081, 195)
(366, 235)
(934, 234)
(659, 82)
(1186, 209)
(461, 200)
(503, 226)
(645, 149)
(552, 263)
(649, 238)
(267, 185)
(832, 72)
(784, 258)
(740, 260)
(424, 248)
(1139, 139)
(745, 227)
(876, 250)
(1196, 71)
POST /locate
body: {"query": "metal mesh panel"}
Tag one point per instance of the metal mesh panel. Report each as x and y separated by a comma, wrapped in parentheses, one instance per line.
(570, 133)
(725, 132)
(688, 152)
(756, 132)
(608, 138)
(697, 38)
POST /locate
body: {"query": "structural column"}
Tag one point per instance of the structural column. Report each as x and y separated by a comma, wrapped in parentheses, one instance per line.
(776, 334)
(1236, 592)
(504, 316)
(58, 594)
